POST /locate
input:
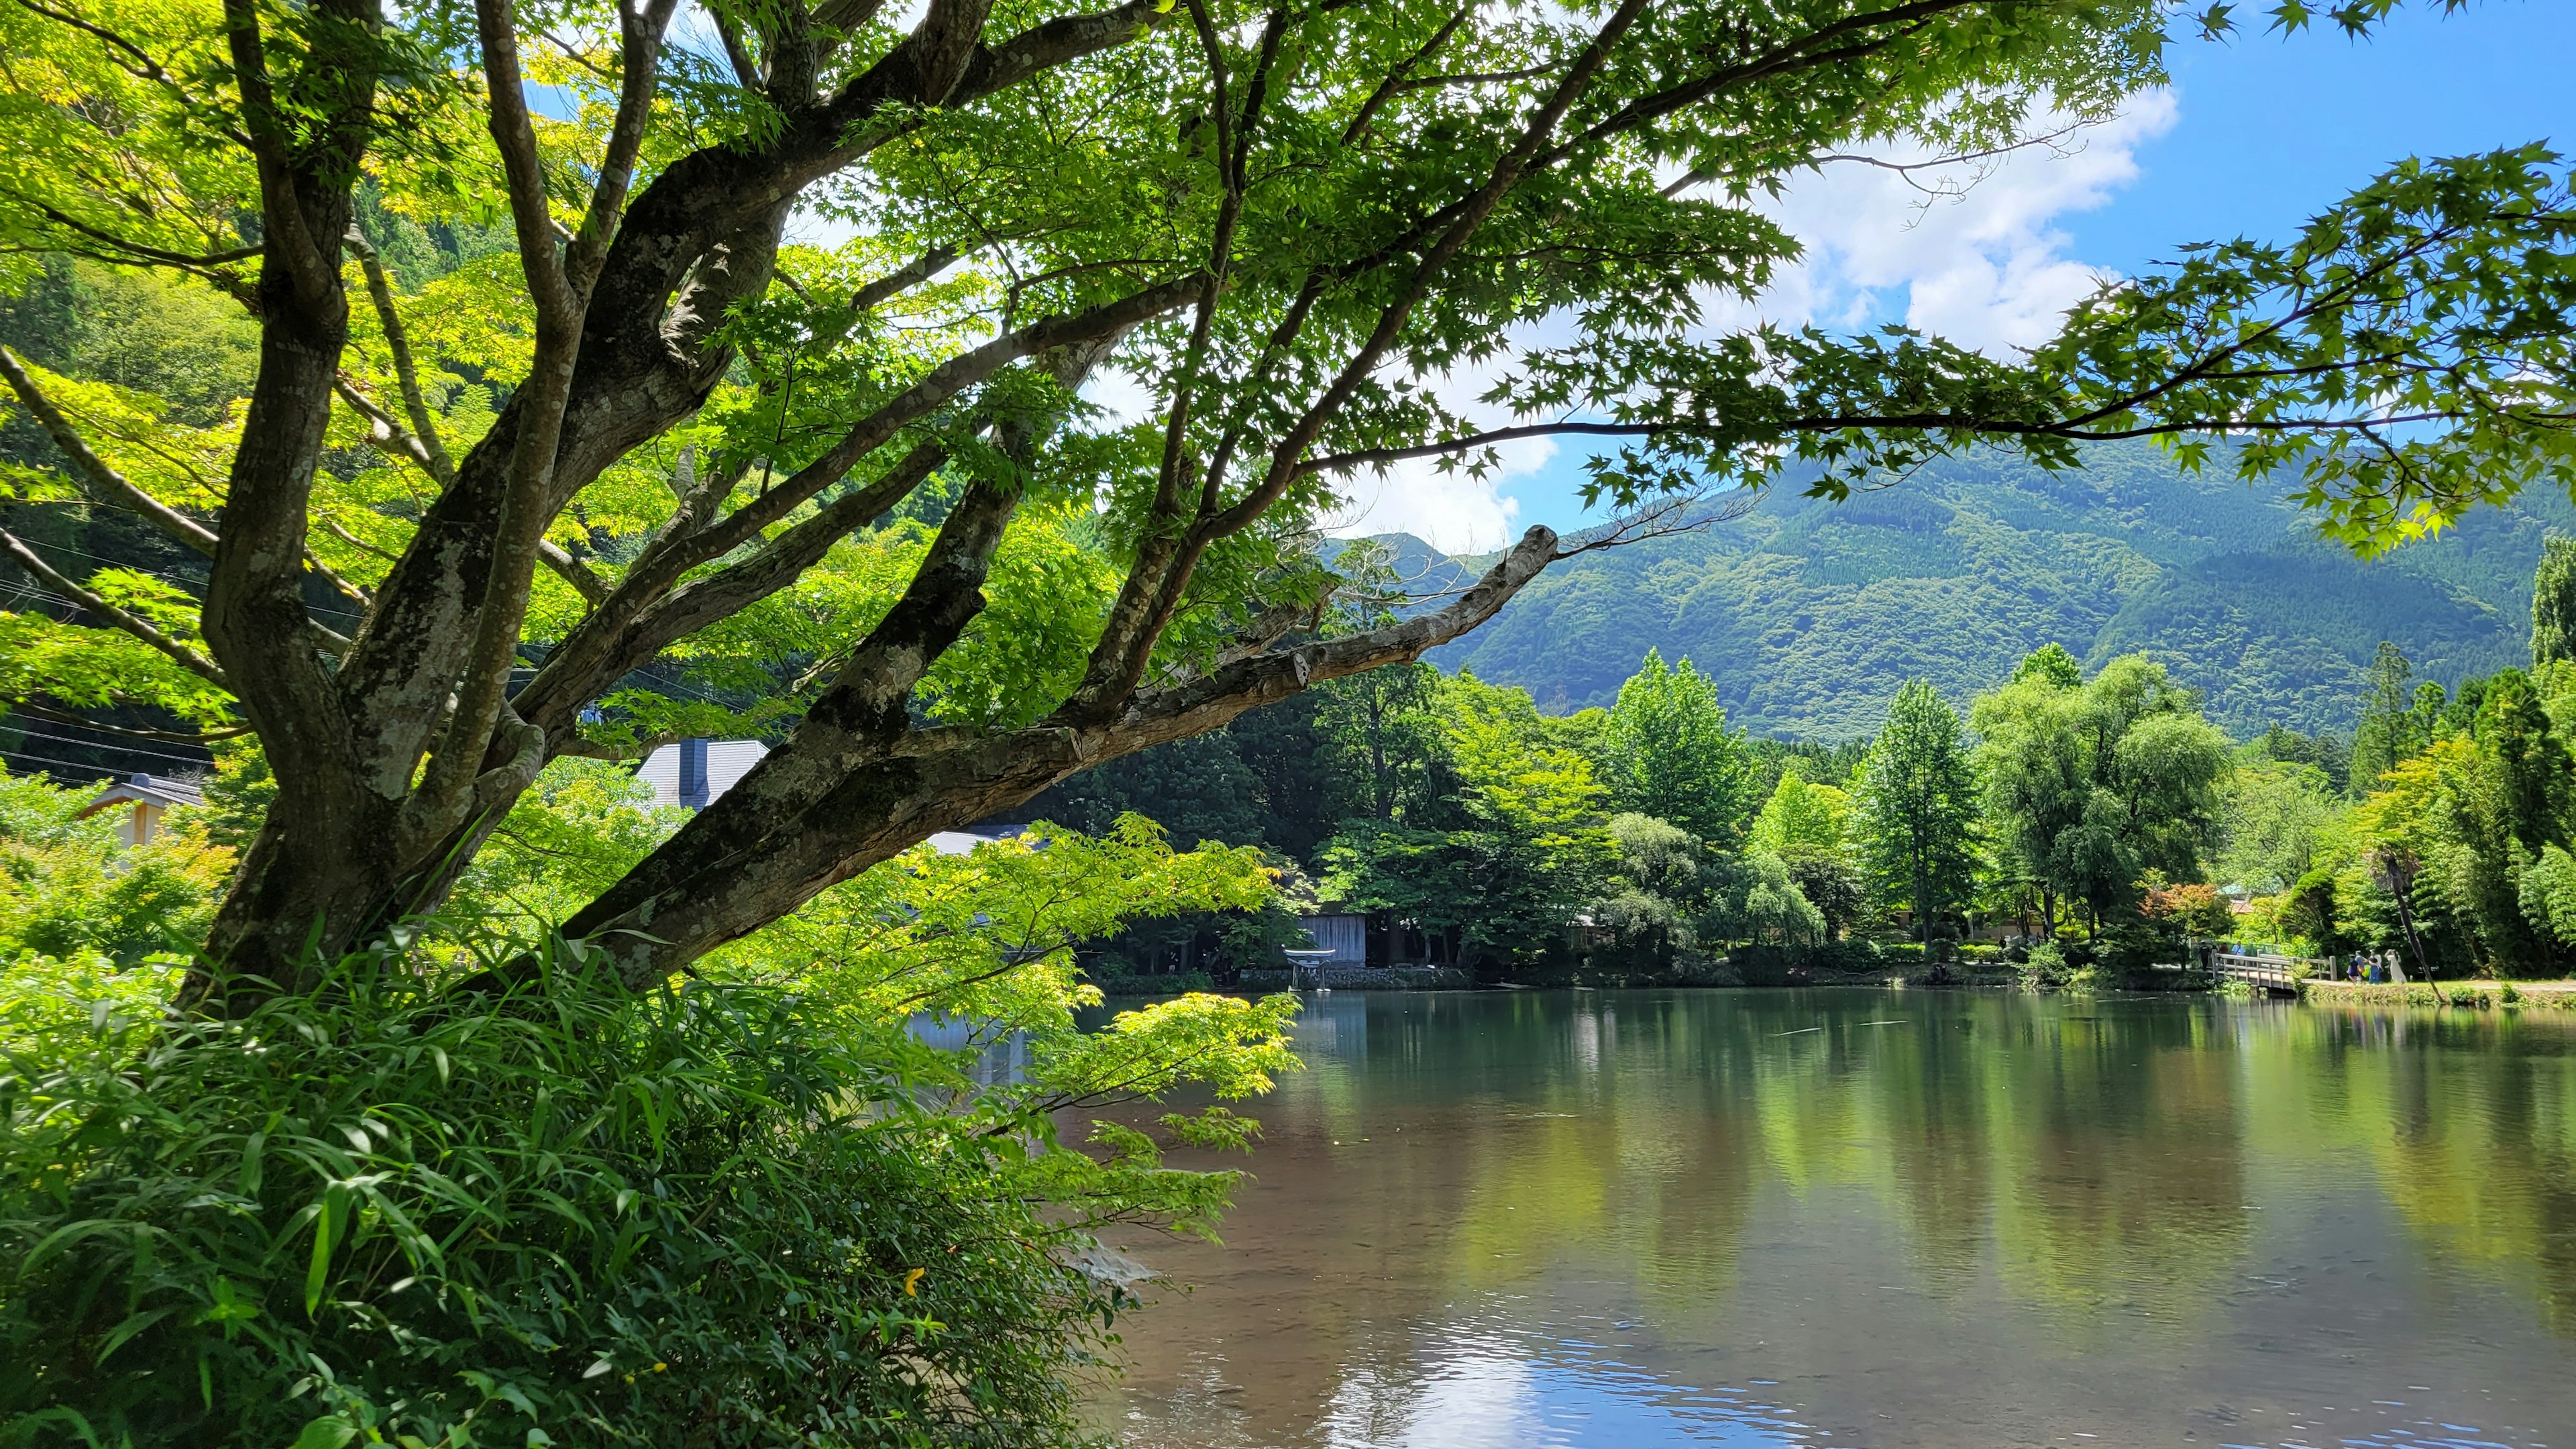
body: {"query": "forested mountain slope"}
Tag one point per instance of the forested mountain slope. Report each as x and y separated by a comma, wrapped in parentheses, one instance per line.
(1810, 614)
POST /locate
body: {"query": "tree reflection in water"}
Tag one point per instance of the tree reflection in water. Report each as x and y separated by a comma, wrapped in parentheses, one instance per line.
(1862, 1217)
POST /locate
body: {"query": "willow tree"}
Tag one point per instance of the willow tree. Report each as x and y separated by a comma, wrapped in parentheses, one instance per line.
(659, 427)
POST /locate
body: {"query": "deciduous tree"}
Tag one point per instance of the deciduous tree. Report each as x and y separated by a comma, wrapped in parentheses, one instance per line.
(653, 428)
(2089, 788)
(1672, 756)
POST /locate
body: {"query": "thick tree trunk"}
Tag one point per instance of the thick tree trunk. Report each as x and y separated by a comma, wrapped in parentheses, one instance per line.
(307, 880)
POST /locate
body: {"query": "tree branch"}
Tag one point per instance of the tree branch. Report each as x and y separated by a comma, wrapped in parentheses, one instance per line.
(903, 279)
(1056, 42)
(905, 408)
(106, 485)
(431, 453)
(187, 658)
(291, 241)
(615, 640)
(1153, 589)
(135, 252)
(642, 30)
(514, 132)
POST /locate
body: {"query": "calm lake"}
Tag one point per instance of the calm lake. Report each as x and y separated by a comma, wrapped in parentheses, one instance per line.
(1874, 1218)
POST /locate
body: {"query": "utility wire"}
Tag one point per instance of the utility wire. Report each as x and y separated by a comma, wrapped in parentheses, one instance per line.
(102, 745)
(50, 760)
(169, 578)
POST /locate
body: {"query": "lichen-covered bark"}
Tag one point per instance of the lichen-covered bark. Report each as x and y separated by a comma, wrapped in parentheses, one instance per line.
(350, 846)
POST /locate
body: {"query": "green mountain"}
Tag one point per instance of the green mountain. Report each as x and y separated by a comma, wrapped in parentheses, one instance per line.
(1810, 613)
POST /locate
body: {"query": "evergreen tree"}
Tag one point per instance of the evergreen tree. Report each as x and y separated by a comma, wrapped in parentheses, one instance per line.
(1673, 756)
(2553, 603)
(1918, 807)
(2379, 741)
(2534, 780)
(2329, 754)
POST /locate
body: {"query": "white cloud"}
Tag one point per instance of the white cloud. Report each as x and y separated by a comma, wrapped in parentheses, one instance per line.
(1986, 268)
(1453, 512)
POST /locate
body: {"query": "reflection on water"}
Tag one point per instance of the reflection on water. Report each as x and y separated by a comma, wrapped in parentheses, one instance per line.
(1001, 1055)
(1864, 1218)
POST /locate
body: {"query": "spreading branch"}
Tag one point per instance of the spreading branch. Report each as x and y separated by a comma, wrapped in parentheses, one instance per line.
(141, 628)
(105, 485)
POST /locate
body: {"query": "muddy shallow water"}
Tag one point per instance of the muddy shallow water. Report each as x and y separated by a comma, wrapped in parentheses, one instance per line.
(1872, 1218)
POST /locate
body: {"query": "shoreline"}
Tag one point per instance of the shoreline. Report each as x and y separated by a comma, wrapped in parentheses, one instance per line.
(2471, 994)
(2482, 994)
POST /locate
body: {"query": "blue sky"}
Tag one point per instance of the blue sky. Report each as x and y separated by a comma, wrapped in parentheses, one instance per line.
(2257, 133)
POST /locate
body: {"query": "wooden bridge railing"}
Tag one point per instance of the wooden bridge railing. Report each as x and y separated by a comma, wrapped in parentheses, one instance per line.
(2267, 973)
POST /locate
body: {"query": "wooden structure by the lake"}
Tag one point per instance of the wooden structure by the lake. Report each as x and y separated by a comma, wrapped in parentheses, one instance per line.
(2278, 974)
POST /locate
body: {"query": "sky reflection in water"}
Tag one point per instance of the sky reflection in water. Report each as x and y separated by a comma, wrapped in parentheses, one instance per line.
(1639, 1219)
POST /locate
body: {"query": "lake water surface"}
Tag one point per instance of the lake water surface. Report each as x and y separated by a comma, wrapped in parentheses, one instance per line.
(1873, 1218)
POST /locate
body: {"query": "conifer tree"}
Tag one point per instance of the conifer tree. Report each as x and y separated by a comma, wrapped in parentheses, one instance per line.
(2553, 602)
(1918, 807)
(2378, 742)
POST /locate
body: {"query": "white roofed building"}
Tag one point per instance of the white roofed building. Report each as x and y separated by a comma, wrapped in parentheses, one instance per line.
(694, 773)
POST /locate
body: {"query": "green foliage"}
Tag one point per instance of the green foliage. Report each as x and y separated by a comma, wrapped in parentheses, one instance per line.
(68, 890)
(1834, 885)
(2048, 969)
(1763, 905)
(1673, 756)
(1382, 737)
(1657, 887)
(2553, 603)
(397, 1214)
(2308, 910)
(586, 1218)
(2052, 667)
(1801, 818)
(990, 934)
(2329, 755)
(2089, 787)
(1918, 808)
(2387, 733)
(2277, 822)
(2548, 893)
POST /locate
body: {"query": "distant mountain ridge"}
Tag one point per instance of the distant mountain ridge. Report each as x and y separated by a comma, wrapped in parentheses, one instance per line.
(1809, 614)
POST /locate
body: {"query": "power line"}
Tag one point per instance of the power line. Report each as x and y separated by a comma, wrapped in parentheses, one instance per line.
(27, 585)
(102, 745)
(122, 564)
(168, 578)
(66, 764)
(117, 734)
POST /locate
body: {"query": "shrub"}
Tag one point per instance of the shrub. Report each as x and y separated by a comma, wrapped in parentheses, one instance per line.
(1172, 983)
(2051, 969)
(577, 1217)
(69, 891)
